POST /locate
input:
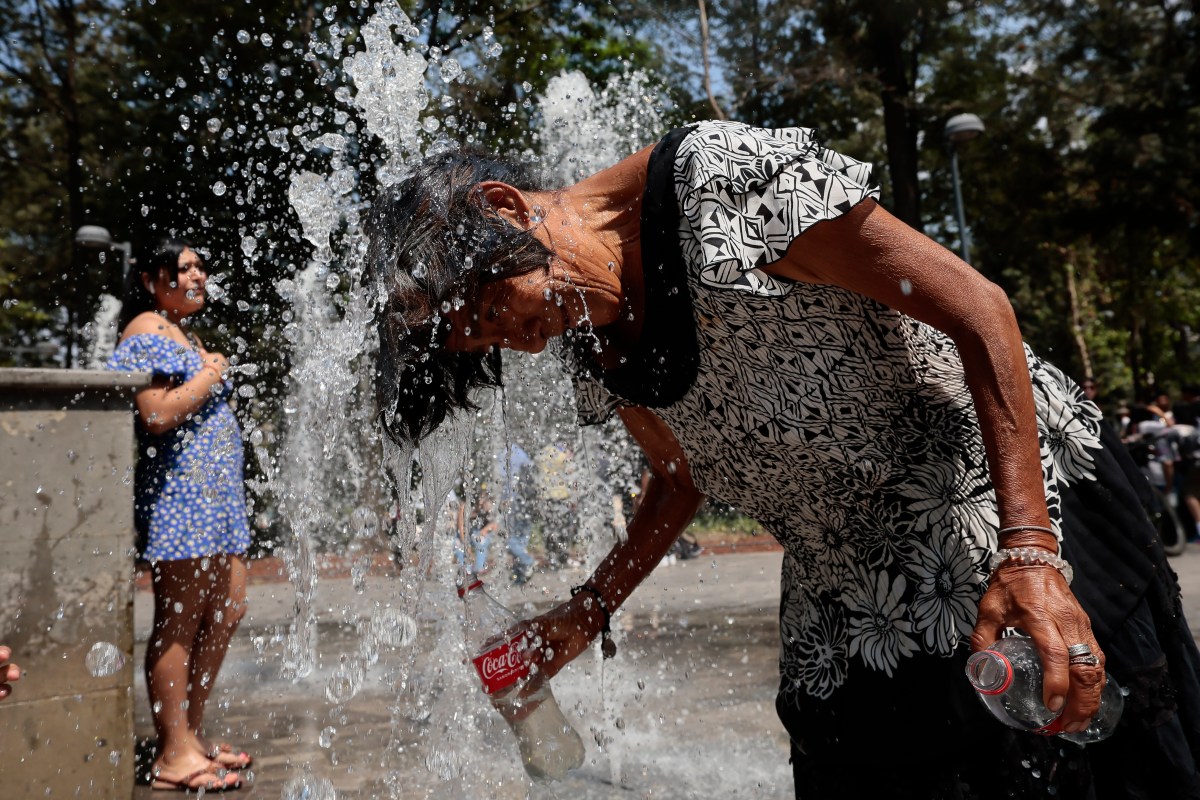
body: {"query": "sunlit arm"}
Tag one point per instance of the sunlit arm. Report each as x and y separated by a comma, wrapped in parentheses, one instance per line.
(163, 407)
(870, 252)
(668, 505)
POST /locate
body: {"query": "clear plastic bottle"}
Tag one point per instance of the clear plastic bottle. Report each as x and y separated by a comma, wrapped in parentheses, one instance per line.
(1008, 678)
(550, 747)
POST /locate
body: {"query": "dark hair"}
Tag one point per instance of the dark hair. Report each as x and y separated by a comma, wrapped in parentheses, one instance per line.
(433, 242)
(149, 260)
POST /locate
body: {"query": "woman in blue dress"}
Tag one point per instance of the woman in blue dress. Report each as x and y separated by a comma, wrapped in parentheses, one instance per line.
(190, 511)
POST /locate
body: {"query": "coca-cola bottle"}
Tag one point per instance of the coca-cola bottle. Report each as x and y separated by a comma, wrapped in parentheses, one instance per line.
(549, 746)
(1008, 678)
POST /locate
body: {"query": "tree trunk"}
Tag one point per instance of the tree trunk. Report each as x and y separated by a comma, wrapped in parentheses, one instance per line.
(77, 294)
(900, 130)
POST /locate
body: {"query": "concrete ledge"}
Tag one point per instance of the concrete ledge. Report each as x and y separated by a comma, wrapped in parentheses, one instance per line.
(66, 380)
(66, 530)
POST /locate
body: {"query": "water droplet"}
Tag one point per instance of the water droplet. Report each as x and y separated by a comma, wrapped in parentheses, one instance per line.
(431, 124)
(363, 522)
(256, 438)
(451, 70)
(345, 681)
(243, 37)
(333, 281)
(266, 39)
(906, 287)
(178, 607)
(308, 787)
(104, 659)
(214, 124)
(185, 122)
(326, 737)
(393, 628)
(218, 188)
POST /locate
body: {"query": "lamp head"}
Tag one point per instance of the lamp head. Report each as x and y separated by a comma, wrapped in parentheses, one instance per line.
(963, 128)
(93, 236)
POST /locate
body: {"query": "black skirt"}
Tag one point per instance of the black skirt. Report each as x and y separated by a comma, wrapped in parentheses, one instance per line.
(923, 734)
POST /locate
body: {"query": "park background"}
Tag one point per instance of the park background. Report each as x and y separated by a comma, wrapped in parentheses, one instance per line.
(195, 119)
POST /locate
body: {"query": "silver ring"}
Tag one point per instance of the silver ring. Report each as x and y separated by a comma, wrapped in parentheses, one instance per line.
(1082, 655)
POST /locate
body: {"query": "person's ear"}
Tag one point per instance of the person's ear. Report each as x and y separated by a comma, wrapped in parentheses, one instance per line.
(509, 203)
(148, 283)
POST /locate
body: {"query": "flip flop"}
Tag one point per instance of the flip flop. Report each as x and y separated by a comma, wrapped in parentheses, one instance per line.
(185, 784)
(223, 754)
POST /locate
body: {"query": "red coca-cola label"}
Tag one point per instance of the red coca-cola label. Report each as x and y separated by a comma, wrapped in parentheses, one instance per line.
(503, 665)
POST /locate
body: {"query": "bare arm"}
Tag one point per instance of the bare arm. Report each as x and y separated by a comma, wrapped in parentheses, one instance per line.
(163, 406)
(668, 505)
(870, 252)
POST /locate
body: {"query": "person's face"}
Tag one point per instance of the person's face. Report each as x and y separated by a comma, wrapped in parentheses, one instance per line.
(1089, 389)
(179, 292)
(522, 312)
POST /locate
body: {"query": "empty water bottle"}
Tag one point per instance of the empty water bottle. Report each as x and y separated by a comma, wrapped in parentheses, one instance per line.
(1008, 678)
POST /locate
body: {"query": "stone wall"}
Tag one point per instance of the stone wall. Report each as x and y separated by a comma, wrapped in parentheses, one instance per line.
(66, 570)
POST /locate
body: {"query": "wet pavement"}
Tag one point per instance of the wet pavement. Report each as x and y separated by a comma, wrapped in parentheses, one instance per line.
(685, 710)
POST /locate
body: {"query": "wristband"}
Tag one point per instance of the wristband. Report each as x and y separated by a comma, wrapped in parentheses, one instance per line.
(607, 646)
(1030, 555)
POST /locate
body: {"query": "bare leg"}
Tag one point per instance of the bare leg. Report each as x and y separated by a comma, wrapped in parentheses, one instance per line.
(225, 582)
(179, 600)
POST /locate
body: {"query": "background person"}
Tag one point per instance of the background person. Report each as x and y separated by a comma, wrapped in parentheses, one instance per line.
(773, 338)
(189, 508)
(518, 482)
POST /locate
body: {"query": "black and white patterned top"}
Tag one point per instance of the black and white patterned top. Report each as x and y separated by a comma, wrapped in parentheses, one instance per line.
(845, 428)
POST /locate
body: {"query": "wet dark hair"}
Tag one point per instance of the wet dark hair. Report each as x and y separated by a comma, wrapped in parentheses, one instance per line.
(151, 260)
(433, 243)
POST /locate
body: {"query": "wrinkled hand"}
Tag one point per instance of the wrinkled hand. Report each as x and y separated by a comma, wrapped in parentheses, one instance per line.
(1036, 599)
(8, 672)
(564, 632)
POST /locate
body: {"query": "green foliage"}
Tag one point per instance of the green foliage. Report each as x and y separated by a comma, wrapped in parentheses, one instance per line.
(1087, 169)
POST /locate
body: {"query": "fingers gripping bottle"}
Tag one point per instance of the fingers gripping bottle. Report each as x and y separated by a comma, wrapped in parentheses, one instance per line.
(1008, 679)
(549, 746)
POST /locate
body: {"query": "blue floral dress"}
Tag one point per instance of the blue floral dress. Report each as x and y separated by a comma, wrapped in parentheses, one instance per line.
(189, 487)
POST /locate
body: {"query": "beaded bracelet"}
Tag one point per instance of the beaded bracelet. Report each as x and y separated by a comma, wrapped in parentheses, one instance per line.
(1030, 555)
(607, 646)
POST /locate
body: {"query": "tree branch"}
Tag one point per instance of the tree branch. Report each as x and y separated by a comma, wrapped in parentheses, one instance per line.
(707, 71)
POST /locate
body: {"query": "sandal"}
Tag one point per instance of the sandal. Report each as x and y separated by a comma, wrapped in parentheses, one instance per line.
(223, 754)
(184, 784)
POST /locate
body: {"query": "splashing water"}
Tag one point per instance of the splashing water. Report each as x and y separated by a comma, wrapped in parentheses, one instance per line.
(326, 475)
(104, 659)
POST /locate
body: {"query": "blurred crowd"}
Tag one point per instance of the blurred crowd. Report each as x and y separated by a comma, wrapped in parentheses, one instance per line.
(1162, 433)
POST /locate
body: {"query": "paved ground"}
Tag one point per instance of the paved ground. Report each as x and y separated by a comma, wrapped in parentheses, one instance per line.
(686, 710)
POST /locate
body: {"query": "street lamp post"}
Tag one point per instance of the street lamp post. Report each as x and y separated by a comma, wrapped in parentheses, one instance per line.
(98, 238)
(961, 128)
